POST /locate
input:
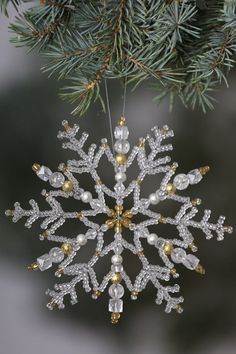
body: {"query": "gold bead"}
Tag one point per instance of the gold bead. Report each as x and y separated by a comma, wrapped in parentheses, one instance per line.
(98, 182)
(97, 292)
(170, 188)
(128, 214)
(141, 143)
(168, 248)
(199, 269)
(203, 170)
(119, 209)
(97, 253)
(173, 271)
(115, 316)
(118, 227)
(162, 220)
(116, 278)
(36, 167)
(138, 180)
(60, 270)
(33, 267)
(126, 222)
(134, 293)
(66, 248)
(66, 125)
(111, 213)
(45, 234)
(140, 254)
(110, 223)
(104, 145)
(121, 159)
(67, 186)
(122, 121)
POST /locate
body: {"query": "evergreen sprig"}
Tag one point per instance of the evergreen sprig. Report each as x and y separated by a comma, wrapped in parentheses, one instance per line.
(184, 47)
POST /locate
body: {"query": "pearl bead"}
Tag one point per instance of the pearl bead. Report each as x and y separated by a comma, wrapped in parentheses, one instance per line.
(81, 239)
(153, 199)
(86, 197)
(152, 239)
(116, 259)
(120, 177)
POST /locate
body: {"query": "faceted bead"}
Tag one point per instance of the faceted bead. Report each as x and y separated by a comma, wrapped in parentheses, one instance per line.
(122, 146)
(178, 255)
(91, 234)
(116, 305)
(119, 188)
(181, 181)
(116, 259)
(194, 176)
(116, 291)
(96, 204)
(191, 262)
(56, 179)
(44, 173)
(121, 132)
(44, 262)
(117, 268)
(56, 255)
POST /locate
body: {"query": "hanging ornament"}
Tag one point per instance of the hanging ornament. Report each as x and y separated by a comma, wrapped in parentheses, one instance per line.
(174, 252)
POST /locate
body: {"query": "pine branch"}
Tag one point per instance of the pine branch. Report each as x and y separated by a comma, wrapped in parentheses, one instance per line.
(4, 5)
(184, 48)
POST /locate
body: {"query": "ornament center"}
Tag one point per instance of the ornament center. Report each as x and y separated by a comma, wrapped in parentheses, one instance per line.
(119, 219)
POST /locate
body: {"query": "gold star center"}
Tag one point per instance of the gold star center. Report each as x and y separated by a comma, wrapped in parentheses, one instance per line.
(118, 218)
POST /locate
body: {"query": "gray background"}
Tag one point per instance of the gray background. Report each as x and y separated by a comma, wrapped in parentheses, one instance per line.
(31, 113)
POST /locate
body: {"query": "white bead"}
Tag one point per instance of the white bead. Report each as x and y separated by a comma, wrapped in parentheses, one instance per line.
(44, 262)
(195, 176)
(181, 181)
(81, 239)
(86, 197)
(122, 146)
(56, 179)
(120, 177)
(116, 291)
(116, 259)
(153, 199)
(178, 255)
(121, 132)
(56, 255)
(152, 239)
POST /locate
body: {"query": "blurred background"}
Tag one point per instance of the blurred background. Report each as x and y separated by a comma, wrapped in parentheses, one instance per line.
(31, 114)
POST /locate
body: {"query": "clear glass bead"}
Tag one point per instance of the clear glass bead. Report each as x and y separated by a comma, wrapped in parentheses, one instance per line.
(56, 255)
(181, 181)
(191, 262)
(44, 262)
(116, 305)
(56, 179)
(116, 291)
(178, 255)
(121, 132)
(44, 173)
(122, 146)
(194, 176)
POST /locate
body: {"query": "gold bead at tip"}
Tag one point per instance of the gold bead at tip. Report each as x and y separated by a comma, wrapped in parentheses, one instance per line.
(97, 292)
(170, 188)
(66, 125)
(134, 293)
(122, 121)
(162, 220)
(116, 278)
(67, 186)
(66, 248)
(115, 316)
(36, 167)
(33, 267)
(168, 248)
(126, 222)
(173, 271)
(97, 253)
(199, 269)
(98, 182)
(121, 159)
(203, 170)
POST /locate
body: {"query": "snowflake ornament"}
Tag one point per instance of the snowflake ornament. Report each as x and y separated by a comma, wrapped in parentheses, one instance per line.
(172, 251)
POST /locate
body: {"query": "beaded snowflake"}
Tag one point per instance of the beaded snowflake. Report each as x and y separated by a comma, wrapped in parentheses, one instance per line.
(172, 251)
